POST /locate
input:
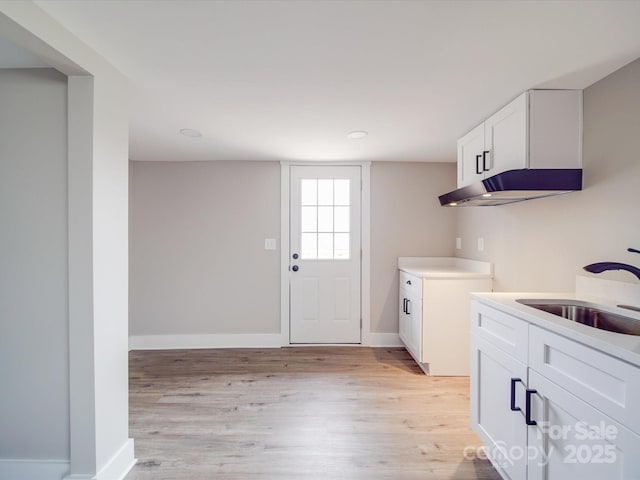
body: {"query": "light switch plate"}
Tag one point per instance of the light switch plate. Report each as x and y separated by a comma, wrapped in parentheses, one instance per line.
(269, 243)
(480, 244)
(458, 243)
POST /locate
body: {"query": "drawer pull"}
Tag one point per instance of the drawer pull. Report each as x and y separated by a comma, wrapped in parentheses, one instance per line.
(404, 305)
(408, 312)
(527, 407)
(513, 394)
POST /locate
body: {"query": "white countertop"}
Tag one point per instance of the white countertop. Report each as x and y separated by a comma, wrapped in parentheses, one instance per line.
(445, 267)
(625, 347)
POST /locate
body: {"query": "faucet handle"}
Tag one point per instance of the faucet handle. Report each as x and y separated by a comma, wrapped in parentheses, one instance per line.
(632, 250)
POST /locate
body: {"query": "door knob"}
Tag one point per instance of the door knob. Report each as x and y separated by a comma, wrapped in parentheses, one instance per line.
(295, 268)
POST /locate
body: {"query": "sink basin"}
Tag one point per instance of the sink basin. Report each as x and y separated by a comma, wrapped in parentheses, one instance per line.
(587, 314)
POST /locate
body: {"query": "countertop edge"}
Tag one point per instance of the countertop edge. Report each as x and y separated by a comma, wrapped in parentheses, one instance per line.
(451, 274)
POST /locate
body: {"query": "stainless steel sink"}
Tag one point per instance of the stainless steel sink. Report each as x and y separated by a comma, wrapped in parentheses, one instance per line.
(587, 314)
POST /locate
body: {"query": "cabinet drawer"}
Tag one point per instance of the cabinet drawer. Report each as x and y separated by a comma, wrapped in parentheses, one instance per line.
(609, 384)
(502, 330)
(412, 284)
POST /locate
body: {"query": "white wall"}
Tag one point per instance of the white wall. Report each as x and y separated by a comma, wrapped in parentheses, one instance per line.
(540, 245)
(34, 344)
(111, 270)
(406, 221)
(198, 263)
(97, 183)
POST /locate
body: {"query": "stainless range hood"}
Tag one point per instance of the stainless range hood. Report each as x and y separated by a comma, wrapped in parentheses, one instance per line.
(515, 186)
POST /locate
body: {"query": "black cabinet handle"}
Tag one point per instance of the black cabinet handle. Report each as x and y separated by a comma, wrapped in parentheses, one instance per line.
(478, 165)
(408, 311)
(404, 305)
(513, 394)
(527, 407)
(484, 161)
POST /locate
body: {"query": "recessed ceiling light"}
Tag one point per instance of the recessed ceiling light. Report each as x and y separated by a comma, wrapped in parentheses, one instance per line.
(190, 132)
(357, 134)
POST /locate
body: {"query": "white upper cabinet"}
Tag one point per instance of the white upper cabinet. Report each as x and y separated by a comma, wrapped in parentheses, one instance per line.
(470, 150)
(539, 129)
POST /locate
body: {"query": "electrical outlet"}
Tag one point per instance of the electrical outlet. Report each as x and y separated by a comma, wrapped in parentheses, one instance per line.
(269, 243)
(480, 244)
(458, 243)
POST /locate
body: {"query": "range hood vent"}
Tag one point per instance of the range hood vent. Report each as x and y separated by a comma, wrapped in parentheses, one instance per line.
(515, 186)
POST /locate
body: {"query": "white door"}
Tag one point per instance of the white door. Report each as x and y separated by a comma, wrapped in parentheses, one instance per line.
(325, 254)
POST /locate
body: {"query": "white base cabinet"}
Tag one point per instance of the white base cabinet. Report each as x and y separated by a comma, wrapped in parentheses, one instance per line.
(549, 408)
(434, 321)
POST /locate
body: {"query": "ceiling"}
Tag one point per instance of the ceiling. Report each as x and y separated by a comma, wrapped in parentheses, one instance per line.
(287, 80)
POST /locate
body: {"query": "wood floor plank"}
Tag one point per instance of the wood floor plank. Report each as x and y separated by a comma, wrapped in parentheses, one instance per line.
(298, 413)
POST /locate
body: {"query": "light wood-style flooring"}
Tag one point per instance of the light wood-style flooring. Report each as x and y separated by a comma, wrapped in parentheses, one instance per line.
(298, 413)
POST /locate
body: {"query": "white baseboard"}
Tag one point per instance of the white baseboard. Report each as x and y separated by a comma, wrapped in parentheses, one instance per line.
(384, 340)
(116, 467)
(119, 464)
(228, 340)
(22, 469)
(236, 340)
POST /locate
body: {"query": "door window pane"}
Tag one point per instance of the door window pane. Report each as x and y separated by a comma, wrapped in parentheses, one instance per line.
(325, 192)
(325, 219)
(341, 192)
(341, 219)
(309, 191)
(325, 245)
(309, 219)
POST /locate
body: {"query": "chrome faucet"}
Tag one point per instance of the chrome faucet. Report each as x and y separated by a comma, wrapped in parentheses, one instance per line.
(605, 266)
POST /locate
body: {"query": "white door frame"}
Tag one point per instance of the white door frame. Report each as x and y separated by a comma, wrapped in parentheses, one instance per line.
(365, 292)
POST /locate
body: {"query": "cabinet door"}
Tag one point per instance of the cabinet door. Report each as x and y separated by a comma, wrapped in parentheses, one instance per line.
(502, 430)
(506, 137)
(470, 148)
(410, 314)
(574, 440)
(409, 322)
(414, 318)
(404, 320)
